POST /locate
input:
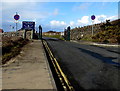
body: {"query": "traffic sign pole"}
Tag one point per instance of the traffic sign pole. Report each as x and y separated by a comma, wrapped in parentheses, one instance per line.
(93, 18)
(16, 26)
(16, 17)
(92, 28)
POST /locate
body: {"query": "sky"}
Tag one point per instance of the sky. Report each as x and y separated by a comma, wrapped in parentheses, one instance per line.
(56, 16)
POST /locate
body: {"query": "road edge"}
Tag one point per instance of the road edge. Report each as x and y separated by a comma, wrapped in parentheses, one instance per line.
(49, 70)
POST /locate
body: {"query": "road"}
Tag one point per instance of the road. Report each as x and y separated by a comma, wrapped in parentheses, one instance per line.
(86, 66)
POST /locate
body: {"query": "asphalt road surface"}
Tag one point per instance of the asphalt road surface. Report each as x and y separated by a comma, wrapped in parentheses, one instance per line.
(88, 67)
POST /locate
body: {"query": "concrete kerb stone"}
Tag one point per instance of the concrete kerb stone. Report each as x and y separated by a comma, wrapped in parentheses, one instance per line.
(96, 44)
(108, 45)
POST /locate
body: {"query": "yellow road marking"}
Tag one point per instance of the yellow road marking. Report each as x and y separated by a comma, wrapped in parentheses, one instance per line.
(58, 69)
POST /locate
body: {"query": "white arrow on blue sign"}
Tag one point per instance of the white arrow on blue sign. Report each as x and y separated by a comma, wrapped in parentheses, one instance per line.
(28, 25)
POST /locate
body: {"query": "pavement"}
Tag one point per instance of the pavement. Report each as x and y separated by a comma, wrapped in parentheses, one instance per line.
(29, 70)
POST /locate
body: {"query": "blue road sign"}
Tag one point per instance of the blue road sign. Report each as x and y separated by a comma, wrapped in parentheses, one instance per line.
(16, 17)
(28, 25)
(93, 17)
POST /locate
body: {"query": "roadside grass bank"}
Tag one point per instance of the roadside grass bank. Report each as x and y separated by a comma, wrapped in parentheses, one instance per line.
(107, 32)
(11, 46)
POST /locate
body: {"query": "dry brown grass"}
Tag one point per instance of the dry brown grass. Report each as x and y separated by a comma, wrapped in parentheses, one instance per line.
(11, 46)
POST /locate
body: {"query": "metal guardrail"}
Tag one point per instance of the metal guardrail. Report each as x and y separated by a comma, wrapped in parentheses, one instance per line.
(63, 79)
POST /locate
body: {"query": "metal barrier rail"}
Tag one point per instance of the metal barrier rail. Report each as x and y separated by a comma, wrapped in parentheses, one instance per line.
(63, 79)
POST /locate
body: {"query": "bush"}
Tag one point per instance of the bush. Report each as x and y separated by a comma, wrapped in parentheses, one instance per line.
(111, 34)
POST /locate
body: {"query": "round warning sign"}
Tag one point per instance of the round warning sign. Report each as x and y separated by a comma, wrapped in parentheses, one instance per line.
(16, 17)
(93, 17)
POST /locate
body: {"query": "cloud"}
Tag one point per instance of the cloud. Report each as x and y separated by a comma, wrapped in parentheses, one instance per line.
(82, 7)
(60, 1)
(56, 12)
(83, 20)
(28, 11)
(57, 23)
(103, 18)
(100, 18)
(72, 23)
(86, 20)
(18, 5)
(112, 17)
(32, 15)
(23, 0)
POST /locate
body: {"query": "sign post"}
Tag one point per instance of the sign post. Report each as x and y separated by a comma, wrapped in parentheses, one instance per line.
(93, 18)
(16, 17)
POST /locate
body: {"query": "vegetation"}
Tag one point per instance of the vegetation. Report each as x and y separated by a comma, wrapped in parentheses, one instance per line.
(87, 38)
(110, 33)
(11, 46)
(55, 36)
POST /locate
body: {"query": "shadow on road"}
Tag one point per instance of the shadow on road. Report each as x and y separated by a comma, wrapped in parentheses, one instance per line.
(98, 56)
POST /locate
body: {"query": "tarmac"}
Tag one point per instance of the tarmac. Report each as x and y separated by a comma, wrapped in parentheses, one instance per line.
(29, 70)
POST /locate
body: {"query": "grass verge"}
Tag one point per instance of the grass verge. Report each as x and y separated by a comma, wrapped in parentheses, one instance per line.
(54, 36)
